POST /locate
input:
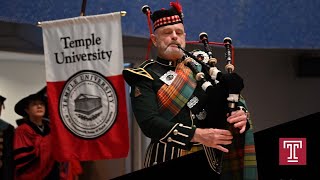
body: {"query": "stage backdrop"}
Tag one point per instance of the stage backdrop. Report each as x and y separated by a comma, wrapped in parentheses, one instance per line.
(85, 87)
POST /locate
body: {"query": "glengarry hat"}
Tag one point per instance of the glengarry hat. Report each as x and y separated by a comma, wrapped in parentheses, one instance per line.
(164, 17)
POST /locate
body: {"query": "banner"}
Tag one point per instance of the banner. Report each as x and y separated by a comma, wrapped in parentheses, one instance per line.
(85, 87)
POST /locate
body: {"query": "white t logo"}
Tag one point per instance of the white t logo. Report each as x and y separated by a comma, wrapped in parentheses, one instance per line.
(292, 145)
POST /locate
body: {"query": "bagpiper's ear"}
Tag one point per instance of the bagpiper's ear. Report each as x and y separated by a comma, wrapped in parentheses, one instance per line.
(153, 39)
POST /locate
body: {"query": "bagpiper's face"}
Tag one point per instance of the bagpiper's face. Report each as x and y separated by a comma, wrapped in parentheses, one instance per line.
(167, 38)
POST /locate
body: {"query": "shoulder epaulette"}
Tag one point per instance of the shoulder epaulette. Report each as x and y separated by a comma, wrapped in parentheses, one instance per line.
(132, 75)
(139, 71)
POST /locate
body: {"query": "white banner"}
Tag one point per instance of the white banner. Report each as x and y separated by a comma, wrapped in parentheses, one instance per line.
(81, 43)
(85, 87)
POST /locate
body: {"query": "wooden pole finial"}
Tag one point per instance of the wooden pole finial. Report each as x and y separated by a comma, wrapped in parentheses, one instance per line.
(83, 8)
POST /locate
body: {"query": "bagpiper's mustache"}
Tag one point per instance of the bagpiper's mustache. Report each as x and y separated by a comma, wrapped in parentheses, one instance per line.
(175, 43)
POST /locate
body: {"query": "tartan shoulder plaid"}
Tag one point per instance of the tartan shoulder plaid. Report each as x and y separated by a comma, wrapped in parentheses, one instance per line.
(173, 97)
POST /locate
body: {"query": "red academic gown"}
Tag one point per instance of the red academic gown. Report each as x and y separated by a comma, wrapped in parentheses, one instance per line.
(32, 152)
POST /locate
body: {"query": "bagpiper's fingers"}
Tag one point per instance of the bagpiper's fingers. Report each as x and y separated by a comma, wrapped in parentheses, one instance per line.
(223, 149)
(243, 129)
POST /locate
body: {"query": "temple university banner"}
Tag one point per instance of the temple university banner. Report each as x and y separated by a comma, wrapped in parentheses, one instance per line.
(85, 87)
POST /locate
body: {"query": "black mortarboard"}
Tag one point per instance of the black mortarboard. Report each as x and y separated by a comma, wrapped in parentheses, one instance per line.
(2, 99)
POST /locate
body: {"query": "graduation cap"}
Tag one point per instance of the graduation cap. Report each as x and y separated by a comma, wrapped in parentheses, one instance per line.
(2, 99)
(20, 107)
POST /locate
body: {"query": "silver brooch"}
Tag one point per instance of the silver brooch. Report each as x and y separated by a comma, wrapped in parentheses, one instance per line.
(168, 77)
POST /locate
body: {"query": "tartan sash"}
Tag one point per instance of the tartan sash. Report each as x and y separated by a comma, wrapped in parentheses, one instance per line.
(173, 97)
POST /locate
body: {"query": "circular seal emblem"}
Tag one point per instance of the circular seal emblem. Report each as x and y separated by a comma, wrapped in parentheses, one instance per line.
(88, 104)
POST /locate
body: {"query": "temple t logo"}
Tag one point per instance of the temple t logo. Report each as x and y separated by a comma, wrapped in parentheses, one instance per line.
(292, 151)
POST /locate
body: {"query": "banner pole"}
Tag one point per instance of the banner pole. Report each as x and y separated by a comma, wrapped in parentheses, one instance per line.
(83, 7)
(84, 2)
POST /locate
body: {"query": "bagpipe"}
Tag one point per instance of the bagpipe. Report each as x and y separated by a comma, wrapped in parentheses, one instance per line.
(222, 89)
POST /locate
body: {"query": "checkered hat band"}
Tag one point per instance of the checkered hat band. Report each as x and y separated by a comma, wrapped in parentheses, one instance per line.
(167, 20)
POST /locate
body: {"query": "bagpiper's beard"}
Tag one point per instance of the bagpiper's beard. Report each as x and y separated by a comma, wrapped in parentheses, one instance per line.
(173, 53)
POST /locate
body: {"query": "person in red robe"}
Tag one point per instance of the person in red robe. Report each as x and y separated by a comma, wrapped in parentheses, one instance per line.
(32, 144)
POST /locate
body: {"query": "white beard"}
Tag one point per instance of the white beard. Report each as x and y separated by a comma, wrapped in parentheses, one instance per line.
(173, 53)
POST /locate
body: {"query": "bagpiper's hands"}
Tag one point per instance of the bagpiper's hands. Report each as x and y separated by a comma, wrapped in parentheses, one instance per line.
(214, 138)
(238, 119)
